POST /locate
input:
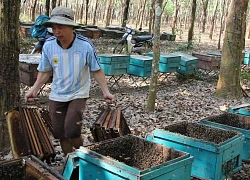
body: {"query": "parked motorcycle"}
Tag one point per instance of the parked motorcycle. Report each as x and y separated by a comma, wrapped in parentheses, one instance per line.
(133, 44)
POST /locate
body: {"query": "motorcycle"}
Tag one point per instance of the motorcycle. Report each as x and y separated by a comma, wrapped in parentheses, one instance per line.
(41, 40)
(133, 44)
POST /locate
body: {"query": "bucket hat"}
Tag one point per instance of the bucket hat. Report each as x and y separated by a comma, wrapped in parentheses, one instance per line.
(63, 16)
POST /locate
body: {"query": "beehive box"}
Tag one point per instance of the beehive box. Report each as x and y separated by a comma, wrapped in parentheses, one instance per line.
(81, 31)
(167, 36)
(234, 122)
(167, 63)
(28, 68)
(114, 64)
(207, 62)
(140, 65)
(28, 168)
(188, 63)
(93, 33)
(243, 109)
(129, 157)
(246, 58)
(216, 152)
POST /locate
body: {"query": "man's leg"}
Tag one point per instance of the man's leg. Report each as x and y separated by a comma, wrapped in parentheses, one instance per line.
(73, 122)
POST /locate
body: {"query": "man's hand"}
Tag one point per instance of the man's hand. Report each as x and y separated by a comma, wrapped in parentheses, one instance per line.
(110, 98)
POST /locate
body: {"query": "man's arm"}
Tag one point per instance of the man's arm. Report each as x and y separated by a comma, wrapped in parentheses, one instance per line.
(101, 80)
(42, 78)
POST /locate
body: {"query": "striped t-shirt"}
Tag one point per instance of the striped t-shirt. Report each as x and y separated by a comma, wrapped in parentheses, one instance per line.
(71, 68)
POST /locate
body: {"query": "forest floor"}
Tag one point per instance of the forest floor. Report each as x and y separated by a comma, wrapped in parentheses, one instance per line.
(178, 99)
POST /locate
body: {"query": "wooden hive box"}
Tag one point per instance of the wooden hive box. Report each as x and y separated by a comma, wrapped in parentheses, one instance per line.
(217, 152)
(140, 65)
(114, 64)
(93, 33)
(28, 68)
(168, 63)
(128, 157)
(207, 62)
(188, 63)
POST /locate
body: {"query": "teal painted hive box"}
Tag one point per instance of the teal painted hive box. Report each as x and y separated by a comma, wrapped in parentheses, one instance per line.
(243, 109)
(114, 64)
(128, 157)
(168, 63)
(140, 65)
(217, 152)
(246, 58)
(235, 122)
(188, 64)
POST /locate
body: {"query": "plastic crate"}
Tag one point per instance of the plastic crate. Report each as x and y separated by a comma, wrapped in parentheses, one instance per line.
(234, 122)
(243, 109)
(211, 160)
(124, 157)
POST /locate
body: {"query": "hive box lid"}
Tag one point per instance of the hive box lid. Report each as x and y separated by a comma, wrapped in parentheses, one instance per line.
(109, 58)
(30, 58)
(186, 58)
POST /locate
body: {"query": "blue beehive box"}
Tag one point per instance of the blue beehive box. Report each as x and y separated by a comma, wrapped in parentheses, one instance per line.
(188, 64)
(234, 122)
(140, 65)
(243, 109)
(246, 58)
(114, 64)
(128, 157)
(212, 160)
(168, 63)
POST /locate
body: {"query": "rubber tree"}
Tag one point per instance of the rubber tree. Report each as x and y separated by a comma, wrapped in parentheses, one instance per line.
(228, 85)
(156, 57)
(9, 58)
(125, 13)
(191, 27)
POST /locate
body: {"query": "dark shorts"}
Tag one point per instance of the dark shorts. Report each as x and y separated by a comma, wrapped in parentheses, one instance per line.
(67, 118)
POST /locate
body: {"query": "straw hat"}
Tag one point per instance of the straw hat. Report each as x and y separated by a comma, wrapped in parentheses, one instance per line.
(63, 16)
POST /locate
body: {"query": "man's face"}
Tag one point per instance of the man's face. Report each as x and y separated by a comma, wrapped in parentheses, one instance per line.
(62, 32)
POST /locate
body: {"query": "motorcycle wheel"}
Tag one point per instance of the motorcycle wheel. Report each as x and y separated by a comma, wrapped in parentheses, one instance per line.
(119, 48)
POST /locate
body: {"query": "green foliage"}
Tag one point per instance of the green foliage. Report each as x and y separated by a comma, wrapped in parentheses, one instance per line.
(169, 9)
(24, 17)
(245, 75)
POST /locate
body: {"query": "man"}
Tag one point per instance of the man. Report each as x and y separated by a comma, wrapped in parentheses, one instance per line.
(70, 57)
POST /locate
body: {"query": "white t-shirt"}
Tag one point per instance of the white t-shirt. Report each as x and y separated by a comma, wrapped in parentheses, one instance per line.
(71, 68)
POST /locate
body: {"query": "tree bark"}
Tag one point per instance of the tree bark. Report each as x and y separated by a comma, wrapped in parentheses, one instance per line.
(9, 57)
(213, 21)
(108, 12)
(142, 14)
(221, 22)
(94, 14)
(156, 57)
(125, 13)
(174, 22)
(152, 16)
(228, 85)
(86, 12)
(47, 7)
(53, 4)
(191, 28)
(204, 20)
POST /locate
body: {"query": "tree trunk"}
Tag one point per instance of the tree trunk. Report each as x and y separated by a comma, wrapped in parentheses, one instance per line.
(33, 18)
(174, 22)
(152, 15)
(191, 28)
(222, 22)
(156, 57)
(142, 14)
(95, 10)
(53, 3)
(108, 12)
(125, 13)
(86, 12)
(228, 85)
(204, 20)
(47, 7)
(213, 21)
(9, 58)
